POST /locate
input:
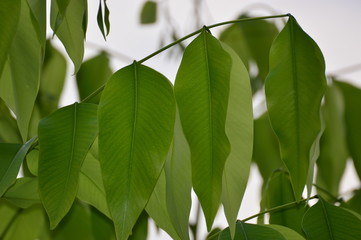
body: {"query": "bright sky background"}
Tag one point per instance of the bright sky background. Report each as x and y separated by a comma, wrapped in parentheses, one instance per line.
(333, 24)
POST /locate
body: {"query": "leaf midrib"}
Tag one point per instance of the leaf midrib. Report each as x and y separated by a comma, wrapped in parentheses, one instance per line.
(326, 219)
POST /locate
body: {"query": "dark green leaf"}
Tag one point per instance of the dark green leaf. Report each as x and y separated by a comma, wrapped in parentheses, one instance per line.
(294, 89)
(354, 203)
(148, 14)
(202, 92)
(8, 213)
(324, 221)
(92, 74)
(103, 21)
(102, 226)
(100, 20)
(239, 130)
(140, 229)
(38, 17)
(9, 131)
(136, 118)
(64, 139)
(23, 193)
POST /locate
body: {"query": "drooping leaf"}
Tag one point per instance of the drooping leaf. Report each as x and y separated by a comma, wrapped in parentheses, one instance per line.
(103, 18)
(93, 74)
(352, 97)
(64, 139)
(9, 131)
(202, 92)
(23, 193)
(11, 157)
(9, 18)
(8, 213)
(38, 17)
(70, 30)
(148, 14)
(239, 130)
(333, 152)
(136, 119)
(179, 181)
(324, 221)
(294, 89)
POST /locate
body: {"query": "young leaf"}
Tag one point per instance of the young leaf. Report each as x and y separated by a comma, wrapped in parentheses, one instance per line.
(202, 92)
(23, 193)
(11, 158)
(352, 97)
(9, 131)
(64, 139)
(136, 118)
(239, 130)
(148, 14)
(294, 89)
(324, 221)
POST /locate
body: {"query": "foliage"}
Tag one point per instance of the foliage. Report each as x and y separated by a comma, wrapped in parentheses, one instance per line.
(136, 145)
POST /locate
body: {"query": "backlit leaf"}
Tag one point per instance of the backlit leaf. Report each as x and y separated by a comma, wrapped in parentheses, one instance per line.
(288, 233)
(202, 92)
(64, 139)
(136, 118)
(294, 89)
(23, 193)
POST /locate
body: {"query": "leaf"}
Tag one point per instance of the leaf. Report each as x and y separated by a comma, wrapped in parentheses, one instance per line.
(103, 21)
(202, 92)
(136, 118)
(11, 156)
(64, 139)
(92, 74)
(140, 229)
(354, 203)
(8, 213)
(24, 192)
(32, 160)
(239, 130)
(102, 226)
(333, 151)
(9, 131)
(294, 89)
(352, 97)
(178, 174)
(70, 30)
(38, 17)
(148, 14)
(9, 18)
(287, 233)
(25, 58)
(325, 221)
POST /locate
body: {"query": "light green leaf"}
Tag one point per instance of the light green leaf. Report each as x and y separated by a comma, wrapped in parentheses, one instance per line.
(32, 160)
(136, 119)
(333, 152)
(64, 139)
(178, 174)
(6, 87)
(9, 131)
(70, 31)
(294, 89)
(352, 98)
(23, 193)
(38, 14)
(93, 74)
(11, 158)
(239, 130)
(91, 187)
(324, 221)
(202, 92)
(288, 233)
(8, 213)
(157, 208)
(148, 14)
(25, 64)
(9, 18)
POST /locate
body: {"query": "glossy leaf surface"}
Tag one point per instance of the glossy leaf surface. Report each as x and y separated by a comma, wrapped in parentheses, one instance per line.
(202, 92)
(64, 139)
(294, 89)
(136, 119)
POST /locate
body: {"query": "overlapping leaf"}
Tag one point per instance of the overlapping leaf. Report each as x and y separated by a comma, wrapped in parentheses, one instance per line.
(7, 213)
(294, 89)
(9, 131)
(136, 118)
(23, 193)
(202, 92)
(64, 138)
(38, 12)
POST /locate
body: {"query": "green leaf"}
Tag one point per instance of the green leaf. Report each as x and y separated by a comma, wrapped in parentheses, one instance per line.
(32, 160)
(25, 58)
(325, 221)
(70, 31)
(52, 80)
(148, 14)
(202, 92)
(91, 187)
(103, 228)
(179, 181)
(245, 231)
(333, 152)
(93, 74)
(354, 203)
(278, 192)
(136, 118)
(288, 233)
(8, 213)
(38, 17)
(23, 193)
(11, 158)
(294, 89)
(103, 21)
(352, 97)
(239, 130)
(140, 229)
(9, 18)
(9, 131)
(64, 139)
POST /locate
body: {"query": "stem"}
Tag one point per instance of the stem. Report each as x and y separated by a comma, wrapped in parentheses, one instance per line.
(93, 94)
(334, 198)
(278, 208)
